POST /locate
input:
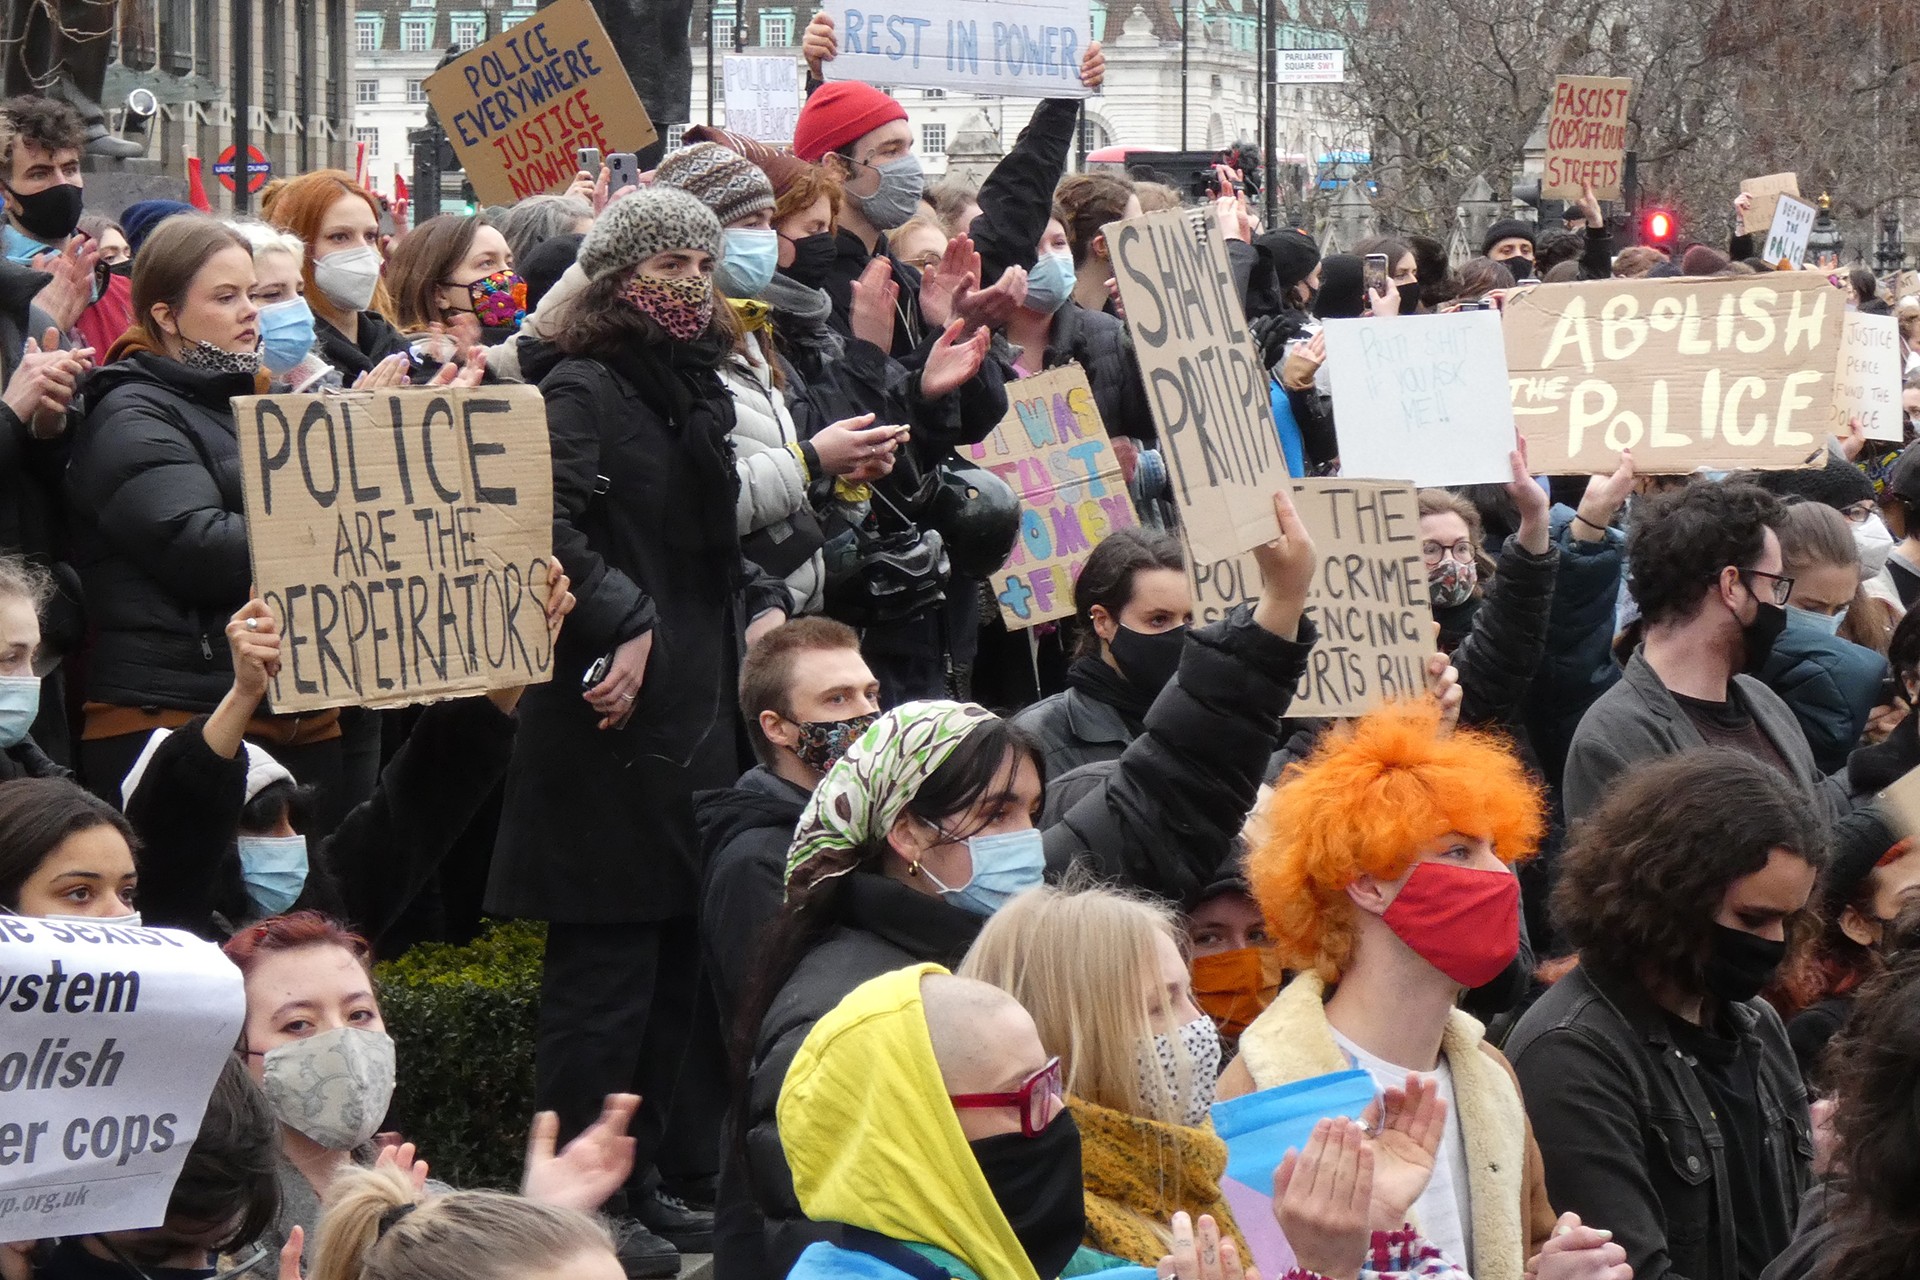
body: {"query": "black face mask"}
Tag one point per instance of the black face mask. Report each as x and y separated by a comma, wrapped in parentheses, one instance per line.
(1769, 620)
(72, 1261)
(1740, 963)
(812, 256)
(49, 215)
(122, 269)
(1409, 298)
(1148, 661)
(1036, 1183)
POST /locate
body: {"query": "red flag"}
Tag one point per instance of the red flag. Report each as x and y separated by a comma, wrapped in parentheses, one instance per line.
(401, 204)
(196, 187)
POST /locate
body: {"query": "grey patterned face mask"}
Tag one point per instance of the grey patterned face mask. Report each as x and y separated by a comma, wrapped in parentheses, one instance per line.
(333, 1087)
(204, 355)
(1187, 1073)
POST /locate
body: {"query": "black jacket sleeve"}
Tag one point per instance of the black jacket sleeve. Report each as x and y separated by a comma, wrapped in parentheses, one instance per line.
(1499, 656)
(186, 812)
(1166, 817)
(1017, 198)
(1596, 260)
(610, 607)
(389, 846)
(1577, 665)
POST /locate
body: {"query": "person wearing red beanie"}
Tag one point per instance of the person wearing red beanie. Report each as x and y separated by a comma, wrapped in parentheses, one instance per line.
(840, 114)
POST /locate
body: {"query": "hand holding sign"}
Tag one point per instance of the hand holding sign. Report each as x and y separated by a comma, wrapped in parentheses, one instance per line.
(1532, 502)
(1286, 571)
(820, 45)
(1443, 686)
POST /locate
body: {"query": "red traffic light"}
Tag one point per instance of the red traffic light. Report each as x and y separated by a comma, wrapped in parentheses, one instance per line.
(1659, 227)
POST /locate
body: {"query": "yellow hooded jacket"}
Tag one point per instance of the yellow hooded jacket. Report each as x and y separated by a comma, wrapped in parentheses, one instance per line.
(873, 1141)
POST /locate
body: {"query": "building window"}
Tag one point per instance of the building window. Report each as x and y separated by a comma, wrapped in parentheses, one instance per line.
(273, 51)
(515, 17)
(776, 30)
(933, 139)
(416, 91)
(365, 91)
(468, 30)
(722, 30)
(676, 135)
(366, 35)
(371, 137)
(933, 93)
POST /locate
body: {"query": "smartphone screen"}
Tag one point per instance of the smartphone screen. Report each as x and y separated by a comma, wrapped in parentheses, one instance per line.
(1376, 273)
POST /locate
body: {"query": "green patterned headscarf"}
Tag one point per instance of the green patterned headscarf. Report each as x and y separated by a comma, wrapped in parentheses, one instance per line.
(860, 798)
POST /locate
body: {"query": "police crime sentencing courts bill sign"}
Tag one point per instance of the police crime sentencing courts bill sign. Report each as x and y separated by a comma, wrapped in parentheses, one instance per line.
(111, 1039)
(1053, 451)
(402, 540)
(1012, 48)
(1724, 374)
(519, 108)
(1205, 384)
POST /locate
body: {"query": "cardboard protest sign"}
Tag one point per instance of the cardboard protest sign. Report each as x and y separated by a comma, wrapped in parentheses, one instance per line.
(1204, 379)
(111, 1039)
(1368, 596)
(1766, 192)
(518, 108)
(1733, 373)
(1787, 237)
(402, 540)
(1422, 397)
(763, 97)
(1866, 387)
(1587, 137)
(1054, 452)
(1008, 48)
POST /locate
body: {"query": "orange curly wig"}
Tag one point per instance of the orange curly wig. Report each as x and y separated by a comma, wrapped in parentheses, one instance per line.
(1371, 794)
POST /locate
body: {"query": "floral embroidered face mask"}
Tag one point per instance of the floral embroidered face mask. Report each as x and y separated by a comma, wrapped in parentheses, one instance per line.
(499, 300)
(684, 308)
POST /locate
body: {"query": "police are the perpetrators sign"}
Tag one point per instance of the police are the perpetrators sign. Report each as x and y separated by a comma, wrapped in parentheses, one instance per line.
(1422, 397)
(1727, 373)
(1053, 451)
(1008, 48)
(763, 96)
(1586, 137)
(519, 108)
(1205, 382)
(1368, 597)
(402, 539)
(111, 1039)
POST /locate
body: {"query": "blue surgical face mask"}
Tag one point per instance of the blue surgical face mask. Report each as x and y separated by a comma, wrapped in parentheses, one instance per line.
(275, 869)
(1827, 624)
(19, 704)
(751, 255)
(898, 196)
(286, 333)
(1050, 283)
(1003, 865)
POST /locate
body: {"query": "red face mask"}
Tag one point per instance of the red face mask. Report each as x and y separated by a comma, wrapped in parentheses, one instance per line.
(1463, 921)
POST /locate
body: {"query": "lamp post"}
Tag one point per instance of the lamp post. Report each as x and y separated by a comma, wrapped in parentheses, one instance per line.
(1825, 237)
(1183, 74)
(1891, 255)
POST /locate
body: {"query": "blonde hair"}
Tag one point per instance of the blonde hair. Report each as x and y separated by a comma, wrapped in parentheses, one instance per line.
(267, 238)
(1079, 959)
(375, 1228)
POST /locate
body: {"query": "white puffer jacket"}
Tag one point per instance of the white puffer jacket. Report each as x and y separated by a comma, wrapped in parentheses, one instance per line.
(773, 481)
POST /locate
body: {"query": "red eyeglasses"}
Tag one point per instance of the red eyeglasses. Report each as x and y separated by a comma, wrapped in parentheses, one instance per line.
(1039, 1099)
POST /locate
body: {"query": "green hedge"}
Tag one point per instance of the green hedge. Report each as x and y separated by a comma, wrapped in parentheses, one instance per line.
(463, 1019)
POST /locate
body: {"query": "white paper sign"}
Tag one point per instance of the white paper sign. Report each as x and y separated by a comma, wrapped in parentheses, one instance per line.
(110, 1042)
(763, 97)
(1422, 398)
(1014, 48)
(1312, 66)
(1792, 225)
(1866, 385)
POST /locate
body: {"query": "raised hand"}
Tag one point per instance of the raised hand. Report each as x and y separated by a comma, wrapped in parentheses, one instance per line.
(591, 1167)
(992, 307)
(1603, 499)
(953, 360)
(1204, 1255)
(401, 1156)
(875, 294)
(1443, 686)
(1532, 501)
(820, 45)
(1286, 569)
(1321, 1197)
(71, 290)
(959, 267)
(1093, 67)
(253, 636)
(1408, 1125)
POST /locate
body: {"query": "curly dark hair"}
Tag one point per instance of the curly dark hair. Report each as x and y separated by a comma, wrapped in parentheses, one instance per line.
(1681, 541)
(1643, 874)
(1876, 1071)
(1556, 247)
(47, 123)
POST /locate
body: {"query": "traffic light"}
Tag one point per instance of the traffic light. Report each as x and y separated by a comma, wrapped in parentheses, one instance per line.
(1658, 229)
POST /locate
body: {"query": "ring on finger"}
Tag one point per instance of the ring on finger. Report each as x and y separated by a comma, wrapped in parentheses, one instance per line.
(253, 624)
(628, 697)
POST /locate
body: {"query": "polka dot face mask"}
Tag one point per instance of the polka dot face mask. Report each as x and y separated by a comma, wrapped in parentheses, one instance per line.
(1183, 1066)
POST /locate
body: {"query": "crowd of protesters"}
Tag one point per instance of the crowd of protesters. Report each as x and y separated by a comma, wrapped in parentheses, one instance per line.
(881, 940)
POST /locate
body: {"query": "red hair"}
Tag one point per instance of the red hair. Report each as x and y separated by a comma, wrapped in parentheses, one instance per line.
(300, 205)
(291, 932)
(1371, 794)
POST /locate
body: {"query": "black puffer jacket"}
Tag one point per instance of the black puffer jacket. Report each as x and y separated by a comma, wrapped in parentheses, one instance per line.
(1099, 344)
(160, 536)
(378, 340)
(744, 833)
(30, 504)
(1163, 820)
(1497, 641)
